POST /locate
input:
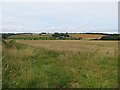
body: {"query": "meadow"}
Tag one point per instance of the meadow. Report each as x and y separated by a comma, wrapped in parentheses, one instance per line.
(60, 64)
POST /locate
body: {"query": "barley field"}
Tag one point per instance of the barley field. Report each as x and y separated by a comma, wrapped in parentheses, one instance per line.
(60, 64)
(87, 36)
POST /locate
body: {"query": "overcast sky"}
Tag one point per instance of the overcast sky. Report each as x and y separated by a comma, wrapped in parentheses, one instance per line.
(60, 17)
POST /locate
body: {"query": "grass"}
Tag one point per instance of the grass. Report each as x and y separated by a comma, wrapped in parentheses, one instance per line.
(57, 64)
(30, 36)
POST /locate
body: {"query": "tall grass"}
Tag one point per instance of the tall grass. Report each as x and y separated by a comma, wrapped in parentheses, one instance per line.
(34, 67)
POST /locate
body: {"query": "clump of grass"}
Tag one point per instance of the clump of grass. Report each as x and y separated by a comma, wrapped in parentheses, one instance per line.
(8, 44)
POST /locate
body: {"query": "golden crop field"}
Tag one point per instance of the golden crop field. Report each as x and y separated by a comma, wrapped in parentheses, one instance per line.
(87, 36)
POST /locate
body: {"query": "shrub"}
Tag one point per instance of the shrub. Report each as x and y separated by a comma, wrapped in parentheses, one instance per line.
(9, 44)
(111, 37)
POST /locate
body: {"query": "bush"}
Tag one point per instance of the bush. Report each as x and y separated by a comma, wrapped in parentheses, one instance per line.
(111, 37)
(60, 34)
(8, 44)
(5, 35)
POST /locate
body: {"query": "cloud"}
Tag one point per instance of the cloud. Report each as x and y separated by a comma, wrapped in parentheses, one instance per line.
(59, 0)
(62, 17)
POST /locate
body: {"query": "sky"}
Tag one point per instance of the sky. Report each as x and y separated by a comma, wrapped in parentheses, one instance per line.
(52, 17)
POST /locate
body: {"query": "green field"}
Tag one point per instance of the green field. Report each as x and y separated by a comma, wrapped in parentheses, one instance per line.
(60, 64)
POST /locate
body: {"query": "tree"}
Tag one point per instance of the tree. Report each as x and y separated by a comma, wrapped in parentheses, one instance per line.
(111, 37)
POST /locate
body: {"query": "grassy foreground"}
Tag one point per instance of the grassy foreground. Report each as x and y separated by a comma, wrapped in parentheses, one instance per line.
(26, 66)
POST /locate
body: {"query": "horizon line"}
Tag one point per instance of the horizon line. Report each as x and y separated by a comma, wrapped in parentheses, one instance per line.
(65, 32)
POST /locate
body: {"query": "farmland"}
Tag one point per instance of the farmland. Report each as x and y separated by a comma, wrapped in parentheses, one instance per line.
(59, 44)
(87, 36)
(49, 36)
(30, 36)
(60, 64)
